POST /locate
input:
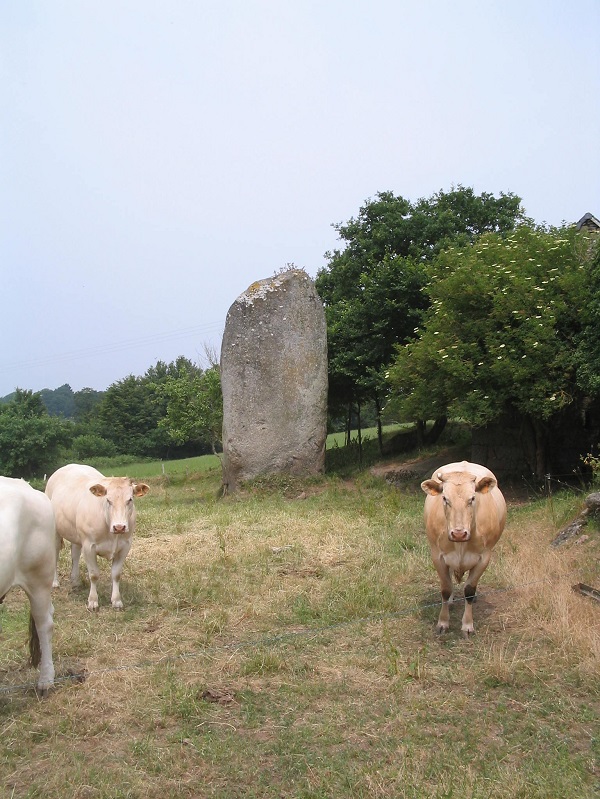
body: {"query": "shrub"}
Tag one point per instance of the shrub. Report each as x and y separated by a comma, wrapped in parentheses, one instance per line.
(92, 446)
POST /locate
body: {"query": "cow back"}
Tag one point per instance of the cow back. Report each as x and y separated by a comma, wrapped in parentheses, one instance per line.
(27, 546)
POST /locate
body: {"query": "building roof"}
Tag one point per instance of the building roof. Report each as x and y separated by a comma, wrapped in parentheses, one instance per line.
(589, 221)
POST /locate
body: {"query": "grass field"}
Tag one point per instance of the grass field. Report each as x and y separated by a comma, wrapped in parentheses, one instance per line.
(280, 643)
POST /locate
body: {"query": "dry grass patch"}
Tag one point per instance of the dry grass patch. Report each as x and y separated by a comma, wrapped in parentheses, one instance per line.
(543, 576)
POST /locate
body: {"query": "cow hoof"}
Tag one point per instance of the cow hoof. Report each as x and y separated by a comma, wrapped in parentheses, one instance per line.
(442, 629)
(55, 584)
(43, 690)
(118, 606)
(468, 633)
(93, 606)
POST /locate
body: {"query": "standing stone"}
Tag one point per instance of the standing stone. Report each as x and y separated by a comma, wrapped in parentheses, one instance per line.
(274, 380)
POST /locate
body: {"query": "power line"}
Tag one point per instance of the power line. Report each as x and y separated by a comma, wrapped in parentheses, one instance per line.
(117, 346)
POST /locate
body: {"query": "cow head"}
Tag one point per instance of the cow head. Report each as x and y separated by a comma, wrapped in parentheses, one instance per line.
(118, 494)
(458, 492)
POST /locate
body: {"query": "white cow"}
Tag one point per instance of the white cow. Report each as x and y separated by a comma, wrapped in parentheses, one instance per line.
(28, 559)
(97, 515)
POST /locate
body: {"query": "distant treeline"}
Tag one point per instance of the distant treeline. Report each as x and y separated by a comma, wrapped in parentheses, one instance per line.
(172, 411)
(65, 402)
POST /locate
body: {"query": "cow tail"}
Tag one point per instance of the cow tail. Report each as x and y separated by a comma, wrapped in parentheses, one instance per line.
(35, 653)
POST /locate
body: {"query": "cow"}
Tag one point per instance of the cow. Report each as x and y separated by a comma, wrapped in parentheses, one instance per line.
(465, 514)
(97, 515)
(28, 559)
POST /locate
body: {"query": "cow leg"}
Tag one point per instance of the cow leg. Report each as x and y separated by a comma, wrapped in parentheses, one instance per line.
(59, 543)
(91, 561)
(75, 555)
(470, 591)
(116, 569)
(42, 612)
(443, 624)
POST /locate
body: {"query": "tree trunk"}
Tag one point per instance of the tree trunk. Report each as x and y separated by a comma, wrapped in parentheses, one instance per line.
(436, 431)
(533, 444)
(541, 461)
(349, 425)
(359, 437)
(421, 425)
(379, 425)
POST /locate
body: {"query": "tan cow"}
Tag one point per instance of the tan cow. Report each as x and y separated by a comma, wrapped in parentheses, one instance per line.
(97, 515)
(28, 559)
(465, 514)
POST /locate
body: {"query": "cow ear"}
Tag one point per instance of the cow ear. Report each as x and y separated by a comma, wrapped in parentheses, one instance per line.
(139, 489)
(98, 490)
(485, 484)
(432, 487)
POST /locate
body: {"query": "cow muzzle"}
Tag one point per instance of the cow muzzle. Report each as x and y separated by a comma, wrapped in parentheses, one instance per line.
(459, 536)
(119, 528)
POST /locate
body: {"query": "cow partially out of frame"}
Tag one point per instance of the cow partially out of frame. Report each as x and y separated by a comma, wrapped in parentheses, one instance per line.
(28, 559)
(97, 515)
(465, 514)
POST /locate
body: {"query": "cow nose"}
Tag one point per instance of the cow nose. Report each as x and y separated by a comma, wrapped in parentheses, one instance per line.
(119, 528)
(459, 535)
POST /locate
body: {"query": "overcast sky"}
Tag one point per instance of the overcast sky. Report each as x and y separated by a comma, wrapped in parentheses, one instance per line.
(158, 157)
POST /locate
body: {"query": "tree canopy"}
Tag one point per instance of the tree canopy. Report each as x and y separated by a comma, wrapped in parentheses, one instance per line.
(194, 410)
(131, 409)
(30, 440)
(588, 345)
(501, 331)
(372, 289)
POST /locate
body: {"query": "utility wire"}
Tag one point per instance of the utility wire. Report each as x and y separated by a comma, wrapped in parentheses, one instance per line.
(116, 346)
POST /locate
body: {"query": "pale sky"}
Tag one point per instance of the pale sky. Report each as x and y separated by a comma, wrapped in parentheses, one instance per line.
(156, 158)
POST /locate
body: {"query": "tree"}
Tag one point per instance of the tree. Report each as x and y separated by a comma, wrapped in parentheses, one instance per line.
(500, 334)
(372, 289)
(30, 440)
(131, 409)
(588, 346)
(194, 407)
(60, 401)
(86, 404)
(90, 445)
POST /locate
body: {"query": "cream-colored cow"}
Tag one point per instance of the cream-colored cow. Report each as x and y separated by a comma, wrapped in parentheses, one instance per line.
(28, 559)
(465, 514)
(97, 515)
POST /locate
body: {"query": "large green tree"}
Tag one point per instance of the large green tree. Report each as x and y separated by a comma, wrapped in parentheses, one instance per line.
(194, 408)
(86, 404)
(59, 401)
(372, 288)
(501, 332)
(588, 349)
(30, 439)
(131, 410)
